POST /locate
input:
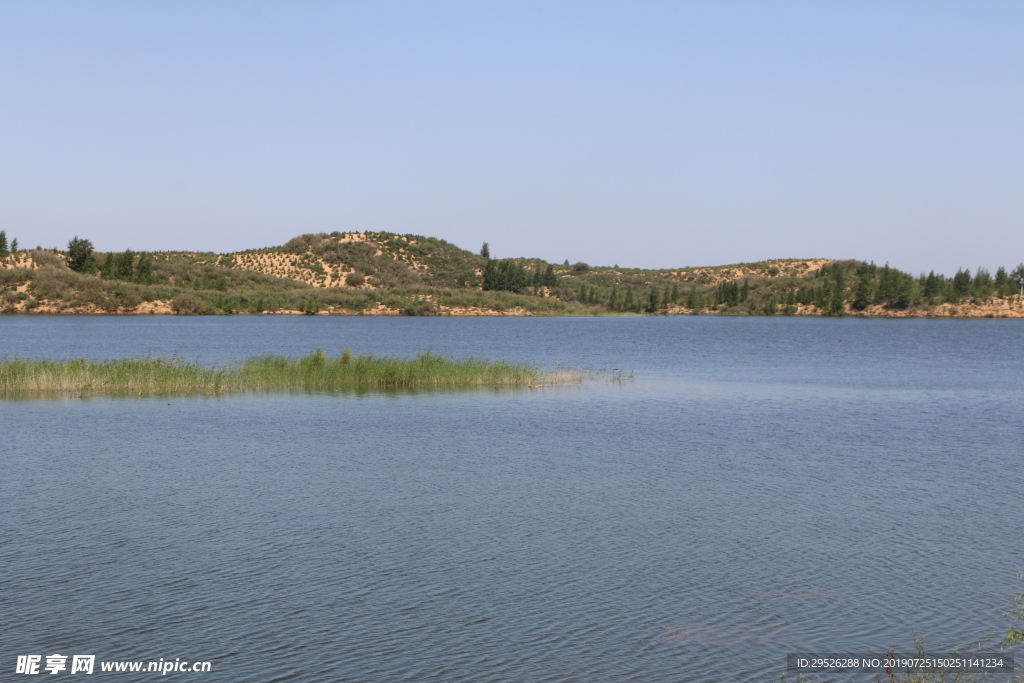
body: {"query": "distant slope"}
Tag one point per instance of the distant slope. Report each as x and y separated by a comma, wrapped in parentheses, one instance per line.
(388, 274)
(370, 260)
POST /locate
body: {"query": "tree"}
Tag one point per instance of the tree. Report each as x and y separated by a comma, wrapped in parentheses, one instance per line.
(931, 286)
(550, 279)
(962, 284)
(107, 269)
(505, 276)
(693, 301)
(80, 257)
(1002, 281)
(491, 277)
(1018, 276)
(14, 246)
(144, 271)
(982, 285)
(124, 265)
(485, 251)
(836, 305)
(903, 290)
(728, 293)
(518, 280)
(896, 289)
(3, 244)
(886, 291)
(653, 301)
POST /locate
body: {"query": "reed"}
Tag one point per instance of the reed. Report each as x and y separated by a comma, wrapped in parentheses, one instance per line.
(21, 378)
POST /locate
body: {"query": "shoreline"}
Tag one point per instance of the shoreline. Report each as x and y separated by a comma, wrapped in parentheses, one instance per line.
(1001, 309)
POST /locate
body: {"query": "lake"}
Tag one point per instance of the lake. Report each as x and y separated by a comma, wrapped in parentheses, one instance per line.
(762, 486)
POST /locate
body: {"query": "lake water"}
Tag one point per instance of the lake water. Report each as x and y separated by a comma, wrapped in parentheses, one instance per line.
(763, 486)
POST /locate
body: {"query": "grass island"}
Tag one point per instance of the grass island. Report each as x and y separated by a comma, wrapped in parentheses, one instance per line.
(24, 378)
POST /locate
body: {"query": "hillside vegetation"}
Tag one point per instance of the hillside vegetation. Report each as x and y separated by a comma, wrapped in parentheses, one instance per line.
(388, 274)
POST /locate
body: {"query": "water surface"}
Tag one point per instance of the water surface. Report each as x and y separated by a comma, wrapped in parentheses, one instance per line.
(762, 486)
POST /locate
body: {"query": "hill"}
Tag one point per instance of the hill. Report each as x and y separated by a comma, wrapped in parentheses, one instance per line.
(387, 274)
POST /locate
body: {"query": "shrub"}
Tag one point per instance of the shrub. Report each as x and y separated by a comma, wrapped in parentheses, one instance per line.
(188, 304)
(47, 259)
(419, 308)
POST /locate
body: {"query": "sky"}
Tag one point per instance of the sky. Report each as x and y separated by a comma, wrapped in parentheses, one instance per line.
(642, 134)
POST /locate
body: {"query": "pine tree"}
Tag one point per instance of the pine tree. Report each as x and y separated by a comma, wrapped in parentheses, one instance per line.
(490, 276)
(4, 252)
(694, 300)
(14, 246)
(144, 271)
(886, 291)
(653, 301)
(506, 276)
(1018, 276)
(107, 269)
(982, 285)
(903, 290)
(862, 292)
(550, 280)
(931, 286)
(516, 278)
(124, 265)
(836, 304)
(613, 300)
(485, 250)
(961, 284)
(1002, 282)
(728, 293)
(80, 257)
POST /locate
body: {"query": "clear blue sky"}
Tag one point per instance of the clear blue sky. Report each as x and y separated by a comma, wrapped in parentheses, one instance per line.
(644, 134)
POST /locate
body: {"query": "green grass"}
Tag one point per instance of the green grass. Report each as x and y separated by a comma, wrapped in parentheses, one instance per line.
(156, 376)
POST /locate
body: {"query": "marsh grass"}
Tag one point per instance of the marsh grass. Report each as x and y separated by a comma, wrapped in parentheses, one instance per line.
(20, 378)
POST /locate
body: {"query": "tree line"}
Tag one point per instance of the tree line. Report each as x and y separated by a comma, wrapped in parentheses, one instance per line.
(835, 289)
(126, 265)
(509, 276)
